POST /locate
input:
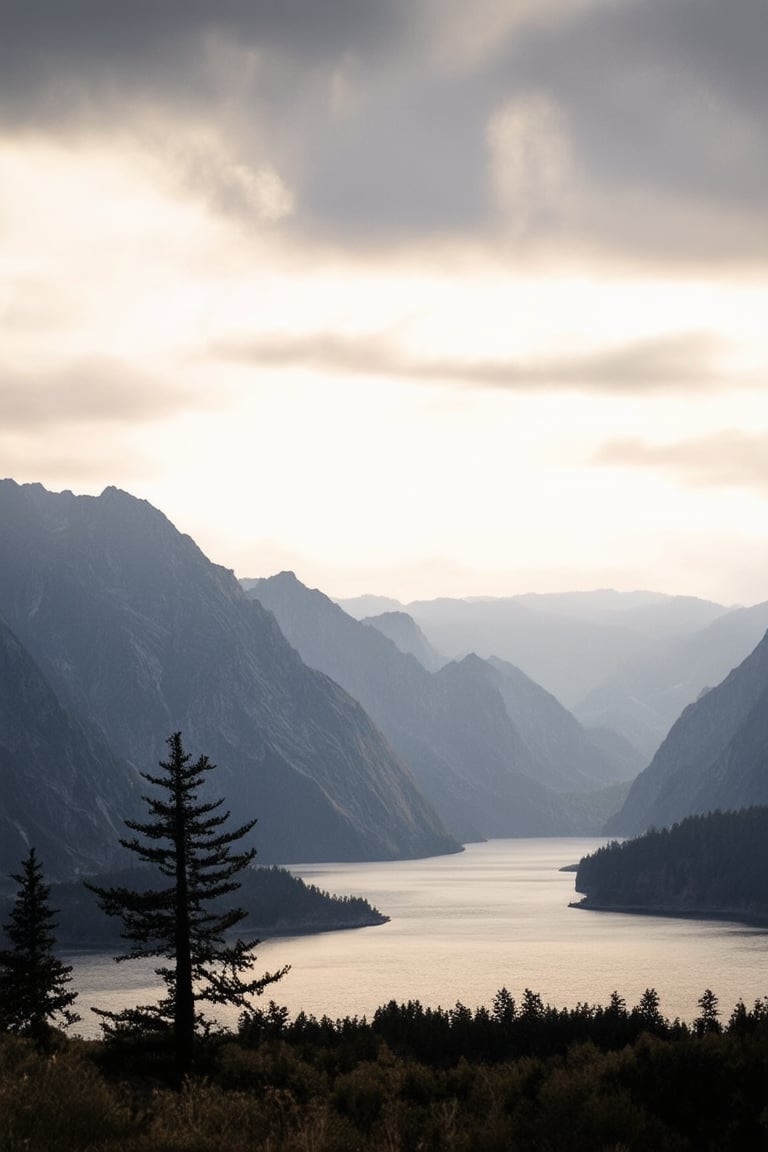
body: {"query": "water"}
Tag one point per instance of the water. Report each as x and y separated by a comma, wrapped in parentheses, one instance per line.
(464, 926)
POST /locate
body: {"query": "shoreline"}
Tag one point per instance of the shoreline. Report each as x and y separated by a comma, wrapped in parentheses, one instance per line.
(729, 915)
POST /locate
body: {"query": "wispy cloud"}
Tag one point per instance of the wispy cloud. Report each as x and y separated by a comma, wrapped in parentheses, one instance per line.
(687, 362)
(98, 390)
(725, 459)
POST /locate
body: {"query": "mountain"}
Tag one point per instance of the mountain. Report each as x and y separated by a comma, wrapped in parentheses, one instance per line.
(715, 756)
(138, 633)
(571, 761)
(485, 774)
(569, 644)
(403, 631)
(644, 697)
(62, 787)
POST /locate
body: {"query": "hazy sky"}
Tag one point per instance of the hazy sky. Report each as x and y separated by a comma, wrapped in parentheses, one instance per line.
(417, 297)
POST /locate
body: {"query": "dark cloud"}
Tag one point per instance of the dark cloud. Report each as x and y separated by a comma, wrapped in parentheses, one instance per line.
(686, 362)
(724, 459)
(97, 390)
(384, 137)
(669, 96)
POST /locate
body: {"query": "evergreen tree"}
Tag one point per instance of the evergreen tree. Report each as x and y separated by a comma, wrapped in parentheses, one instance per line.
(184, 841)
(33, 982)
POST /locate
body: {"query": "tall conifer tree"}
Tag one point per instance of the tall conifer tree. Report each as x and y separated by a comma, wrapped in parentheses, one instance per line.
(33, 981)
(184, 841)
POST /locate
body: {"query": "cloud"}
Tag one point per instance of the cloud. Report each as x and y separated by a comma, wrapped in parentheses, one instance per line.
(99, 390)
(725, 459)
(685, 362)
(632, 127)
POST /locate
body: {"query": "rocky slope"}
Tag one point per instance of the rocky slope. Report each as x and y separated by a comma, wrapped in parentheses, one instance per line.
(137, 632)
(486, 771)
(61, 787)
(715, 756)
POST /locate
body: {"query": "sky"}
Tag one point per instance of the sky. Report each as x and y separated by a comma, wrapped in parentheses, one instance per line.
(413, 297)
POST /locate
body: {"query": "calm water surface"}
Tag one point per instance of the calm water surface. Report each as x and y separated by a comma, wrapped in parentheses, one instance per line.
(464, 926)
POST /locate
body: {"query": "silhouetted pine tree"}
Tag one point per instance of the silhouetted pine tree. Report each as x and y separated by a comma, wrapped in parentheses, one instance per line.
(185, 842)
(33, 982)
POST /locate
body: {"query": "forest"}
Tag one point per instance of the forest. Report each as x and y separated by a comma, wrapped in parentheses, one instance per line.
(715, 864)
(524, 1076)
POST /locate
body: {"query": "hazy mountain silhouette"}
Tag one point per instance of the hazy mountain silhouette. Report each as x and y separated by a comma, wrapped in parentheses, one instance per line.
(403, 631)
(648, 692)
(566, 642)
(485, 774)
(571, 761)
(138, 632)
(715, 756)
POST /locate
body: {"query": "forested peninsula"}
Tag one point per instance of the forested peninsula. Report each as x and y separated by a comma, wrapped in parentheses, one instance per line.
(714, 865)
(278, 904)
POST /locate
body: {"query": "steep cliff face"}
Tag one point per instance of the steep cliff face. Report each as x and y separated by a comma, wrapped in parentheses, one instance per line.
(715, 756)
(488, 746)
(62, 790)
(136, 630)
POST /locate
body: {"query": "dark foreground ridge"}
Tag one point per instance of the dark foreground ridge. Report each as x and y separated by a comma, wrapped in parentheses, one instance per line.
(525, 1076)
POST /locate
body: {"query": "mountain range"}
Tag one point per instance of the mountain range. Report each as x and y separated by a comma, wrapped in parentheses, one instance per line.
(386, 736)
(625, 664)
(136, 634)
(491, 750)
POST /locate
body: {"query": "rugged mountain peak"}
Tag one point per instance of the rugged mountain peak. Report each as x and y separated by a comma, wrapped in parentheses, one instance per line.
(135, 629)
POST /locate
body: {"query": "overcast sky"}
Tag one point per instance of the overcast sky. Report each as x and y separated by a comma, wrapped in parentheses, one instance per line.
(416, 297)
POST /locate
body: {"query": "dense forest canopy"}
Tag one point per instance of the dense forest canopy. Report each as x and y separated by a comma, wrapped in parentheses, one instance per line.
(717, 863)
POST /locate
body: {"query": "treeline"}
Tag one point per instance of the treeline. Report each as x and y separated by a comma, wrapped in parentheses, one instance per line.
(523, 1076)
(278, 903)
(717, 863)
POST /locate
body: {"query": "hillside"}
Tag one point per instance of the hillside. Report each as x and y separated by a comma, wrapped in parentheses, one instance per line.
(489, 748)
(715, 755)
(706, 865)
(276, 902)
(139, 635)
(63, 789)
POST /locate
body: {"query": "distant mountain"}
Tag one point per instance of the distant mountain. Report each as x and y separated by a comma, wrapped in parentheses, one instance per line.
(644, 697)
(650, 612)
(569, 643)
(486, 775)
(715, 756)
(63, 790)
(626, 758)
(571, 761)
(138, 633)
(705, 865)
(403, 631)
(360, 607)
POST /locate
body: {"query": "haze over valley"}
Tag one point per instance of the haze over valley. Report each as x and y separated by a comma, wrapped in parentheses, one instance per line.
(398, 735)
